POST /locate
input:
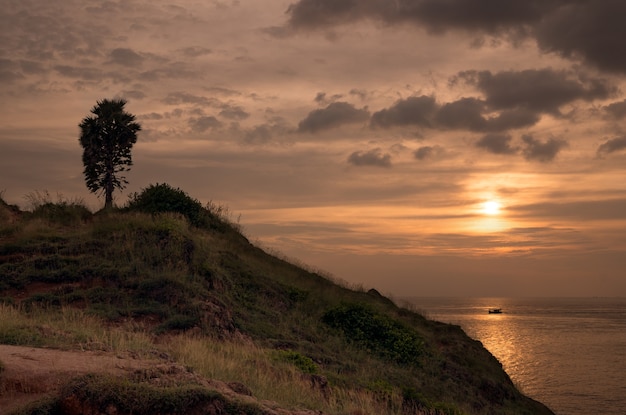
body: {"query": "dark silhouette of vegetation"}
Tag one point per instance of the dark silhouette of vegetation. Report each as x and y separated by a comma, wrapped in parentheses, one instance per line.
(376, 332)
(107, 138)
(160, 198)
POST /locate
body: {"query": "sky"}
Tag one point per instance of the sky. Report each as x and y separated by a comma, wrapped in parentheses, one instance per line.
(419, 147)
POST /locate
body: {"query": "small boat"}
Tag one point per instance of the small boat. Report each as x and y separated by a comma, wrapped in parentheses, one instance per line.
(495, 311)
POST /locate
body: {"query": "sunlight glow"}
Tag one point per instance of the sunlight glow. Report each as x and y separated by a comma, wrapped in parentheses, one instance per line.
(491, 208)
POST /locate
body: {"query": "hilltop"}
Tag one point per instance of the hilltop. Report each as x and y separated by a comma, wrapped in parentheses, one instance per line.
(185, 315)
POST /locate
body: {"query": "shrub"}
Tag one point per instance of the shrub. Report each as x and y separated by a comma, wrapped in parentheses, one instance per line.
(376, 333)
(63, 211)
(304, 363)
(178, 322)
(159, 198)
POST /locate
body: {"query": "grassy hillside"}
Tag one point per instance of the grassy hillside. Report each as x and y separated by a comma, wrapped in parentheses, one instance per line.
(166, 275)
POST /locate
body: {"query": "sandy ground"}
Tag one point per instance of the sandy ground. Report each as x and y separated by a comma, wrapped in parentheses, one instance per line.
(31, 373)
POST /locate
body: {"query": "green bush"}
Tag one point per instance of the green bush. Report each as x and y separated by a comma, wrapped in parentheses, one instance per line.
(178, 322)
(304, 363)
(376, 332)
(160, 198)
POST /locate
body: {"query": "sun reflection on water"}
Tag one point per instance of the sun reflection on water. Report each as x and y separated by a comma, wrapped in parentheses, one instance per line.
(501, 335)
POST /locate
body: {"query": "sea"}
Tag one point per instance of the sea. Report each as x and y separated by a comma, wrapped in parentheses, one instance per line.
(568, 353)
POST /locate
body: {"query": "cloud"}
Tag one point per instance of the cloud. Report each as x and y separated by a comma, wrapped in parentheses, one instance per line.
(177, 98)
(497, 144)
(126, 57)
(583, 210)
(539, 90)
(201, 124)
(323, 98)
(542, 151)
(616, 109)
(32, 67)
(591, 31)
(427, 152)
(84, 73)
(195, 51)
(611, 146)
(435, 15)
(275, 130)
(370, 158)
(465, 113)
(410, 111)
(134, 94)
(512, 119)
(311, 14)
(471, 114)
(9, 71)
(233, 112)
(334, 115)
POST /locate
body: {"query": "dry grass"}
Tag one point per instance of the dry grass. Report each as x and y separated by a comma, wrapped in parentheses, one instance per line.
(275, 381)
(243, 362)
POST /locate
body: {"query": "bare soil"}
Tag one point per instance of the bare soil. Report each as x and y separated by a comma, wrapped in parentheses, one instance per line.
(31, 373)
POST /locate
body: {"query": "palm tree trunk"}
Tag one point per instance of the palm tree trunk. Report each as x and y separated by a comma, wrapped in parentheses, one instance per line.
(108, 191)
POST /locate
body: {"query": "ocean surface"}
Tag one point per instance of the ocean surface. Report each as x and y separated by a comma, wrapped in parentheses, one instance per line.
(568, 353)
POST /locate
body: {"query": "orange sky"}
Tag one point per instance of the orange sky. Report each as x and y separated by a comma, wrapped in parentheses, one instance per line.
(361, 138)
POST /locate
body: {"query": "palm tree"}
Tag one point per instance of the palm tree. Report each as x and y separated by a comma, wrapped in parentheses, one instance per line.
(107, 138)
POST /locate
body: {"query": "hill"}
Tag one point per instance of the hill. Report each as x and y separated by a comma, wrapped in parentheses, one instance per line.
(166, 278)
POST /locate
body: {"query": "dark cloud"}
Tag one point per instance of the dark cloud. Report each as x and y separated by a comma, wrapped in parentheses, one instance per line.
(542, 151)
(32, 67)
(9, 71)
(151, 116)
(311, 14)
(233, 112)
(611, 146)
(471, 114)
(373, 157)
(410, 111)
(539, 90)
(465, 113)
(590, 30)
(360, 93)
(512, 119)
(617, 109)
(126, 57)
(195, 51)
(134, 94)
(427, 152)
(323, 98)
(273, 131)
(260, 134)
(575, 29)
(497, 144)
(488, 16)
(201, 124)
(223, 91)
(436, 15)
(334, 115)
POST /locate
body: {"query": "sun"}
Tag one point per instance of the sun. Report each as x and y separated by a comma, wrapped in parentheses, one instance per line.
(491, 207)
